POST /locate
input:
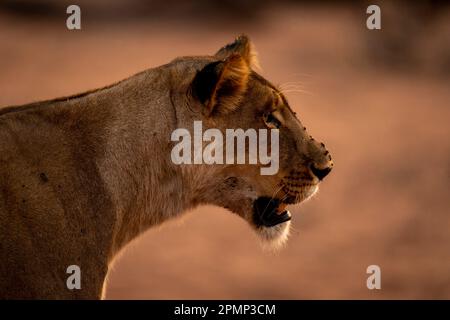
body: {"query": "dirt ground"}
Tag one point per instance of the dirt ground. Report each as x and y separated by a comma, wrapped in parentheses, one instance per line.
(385, 203)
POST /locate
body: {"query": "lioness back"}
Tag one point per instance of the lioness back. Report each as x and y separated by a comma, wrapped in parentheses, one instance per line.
(50, 197)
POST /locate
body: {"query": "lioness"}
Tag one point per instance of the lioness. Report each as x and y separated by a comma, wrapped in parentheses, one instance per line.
(82, 176)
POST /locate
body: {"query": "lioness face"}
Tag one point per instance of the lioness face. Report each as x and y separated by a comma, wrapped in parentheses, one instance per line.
(233, 96)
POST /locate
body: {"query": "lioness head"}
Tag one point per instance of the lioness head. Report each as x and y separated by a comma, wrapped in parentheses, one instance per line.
(224, 92)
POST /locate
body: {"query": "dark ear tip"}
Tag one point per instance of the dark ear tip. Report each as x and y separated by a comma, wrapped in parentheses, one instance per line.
(241, 41)
(243, 38)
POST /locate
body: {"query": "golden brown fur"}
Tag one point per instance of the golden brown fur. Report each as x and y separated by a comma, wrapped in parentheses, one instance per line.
(82, 176)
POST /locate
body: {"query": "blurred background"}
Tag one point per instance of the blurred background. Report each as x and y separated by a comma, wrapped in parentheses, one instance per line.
(379, 99)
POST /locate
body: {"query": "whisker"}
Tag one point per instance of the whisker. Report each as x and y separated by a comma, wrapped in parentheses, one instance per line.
(294, 230)
(292, 83)
(284, 197)
(273, 196)
(296, 90)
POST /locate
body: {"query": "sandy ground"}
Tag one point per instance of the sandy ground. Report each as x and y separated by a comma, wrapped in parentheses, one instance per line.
(385, 203)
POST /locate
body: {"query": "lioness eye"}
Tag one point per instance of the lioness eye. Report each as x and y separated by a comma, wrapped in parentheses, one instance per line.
(271, 121)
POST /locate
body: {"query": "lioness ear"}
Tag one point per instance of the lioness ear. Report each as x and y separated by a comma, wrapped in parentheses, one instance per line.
(220, 85)
(243, 46)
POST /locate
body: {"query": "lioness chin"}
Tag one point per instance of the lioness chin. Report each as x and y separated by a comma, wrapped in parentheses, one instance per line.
(82, 176)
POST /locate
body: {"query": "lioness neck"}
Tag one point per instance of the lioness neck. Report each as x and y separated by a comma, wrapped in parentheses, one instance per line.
(102, 160)
(145, 187)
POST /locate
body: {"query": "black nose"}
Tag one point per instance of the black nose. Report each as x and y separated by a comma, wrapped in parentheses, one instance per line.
(320, 173)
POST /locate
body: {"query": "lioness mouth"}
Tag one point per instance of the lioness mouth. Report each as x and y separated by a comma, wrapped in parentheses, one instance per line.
(269, 212)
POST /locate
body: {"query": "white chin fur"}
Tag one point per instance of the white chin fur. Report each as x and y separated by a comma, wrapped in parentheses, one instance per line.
(311, 192)
(274, 238)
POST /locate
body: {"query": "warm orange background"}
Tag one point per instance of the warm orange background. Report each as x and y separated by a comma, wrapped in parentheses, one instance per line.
(378, 99)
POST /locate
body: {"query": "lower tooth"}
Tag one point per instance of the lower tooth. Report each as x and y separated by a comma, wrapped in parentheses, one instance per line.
(281, 208)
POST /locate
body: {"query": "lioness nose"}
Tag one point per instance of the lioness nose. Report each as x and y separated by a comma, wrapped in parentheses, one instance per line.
(320, 173)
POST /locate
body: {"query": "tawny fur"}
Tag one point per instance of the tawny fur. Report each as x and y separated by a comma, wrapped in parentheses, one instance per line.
(82, 176)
